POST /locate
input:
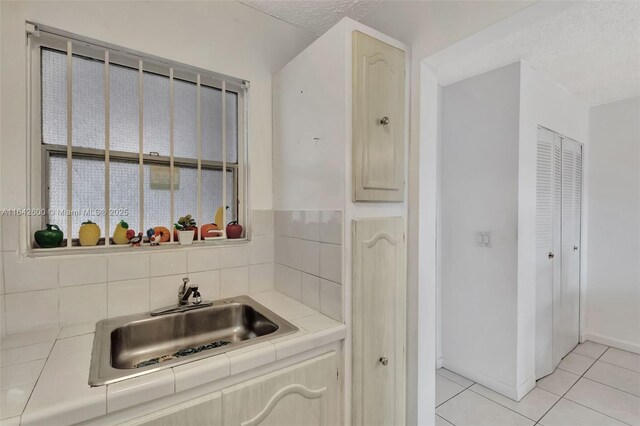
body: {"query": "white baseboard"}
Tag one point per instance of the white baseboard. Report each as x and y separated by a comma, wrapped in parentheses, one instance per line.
(625, 345)
(489, 382)
(526, 387)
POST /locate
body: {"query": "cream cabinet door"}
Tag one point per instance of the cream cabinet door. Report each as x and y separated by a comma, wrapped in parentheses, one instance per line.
(205, 410)
(378, 318)
(304, 394)
(378, 120)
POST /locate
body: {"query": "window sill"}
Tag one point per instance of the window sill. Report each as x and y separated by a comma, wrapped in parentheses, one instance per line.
(69, 252)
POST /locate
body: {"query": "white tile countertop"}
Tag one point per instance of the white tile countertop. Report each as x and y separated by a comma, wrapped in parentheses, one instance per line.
(44, 374)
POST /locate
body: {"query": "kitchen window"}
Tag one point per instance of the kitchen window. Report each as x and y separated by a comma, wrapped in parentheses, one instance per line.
(118, 135)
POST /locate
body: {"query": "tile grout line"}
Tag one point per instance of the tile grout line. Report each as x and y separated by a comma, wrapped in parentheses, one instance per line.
(504, 406)
(40, 374)
(619, 366)
(612, 387)
(576, 382)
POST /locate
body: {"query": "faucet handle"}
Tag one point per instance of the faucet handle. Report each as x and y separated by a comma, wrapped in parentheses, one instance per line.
(183, 288)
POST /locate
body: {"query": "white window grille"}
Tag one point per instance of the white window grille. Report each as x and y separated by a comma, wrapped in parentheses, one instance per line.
(127, 136)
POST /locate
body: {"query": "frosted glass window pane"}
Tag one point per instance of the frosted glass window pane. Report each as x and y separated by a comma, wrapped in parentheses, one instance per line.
(211, 111)
(156, 203)
(88, 103)
(231, 100)
(88, 100)
(54, 97)
(185, 195)
(124, 108)
(185, 140)
(212, 195)
(124, 190)
(88, 192)
(57, 191)
(156, 114)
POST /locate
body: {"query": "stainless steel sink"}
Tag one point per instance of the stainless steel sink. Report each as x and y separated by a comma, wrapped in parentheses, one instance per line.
(134, 345)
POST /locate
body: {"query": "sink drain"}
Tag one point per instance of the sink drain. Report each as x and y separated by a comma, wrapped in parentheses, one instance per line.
(181, 353)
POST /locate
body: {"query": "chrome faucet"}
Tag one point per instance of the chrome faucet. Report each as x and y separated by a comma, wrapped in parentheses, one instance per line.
(186, 291)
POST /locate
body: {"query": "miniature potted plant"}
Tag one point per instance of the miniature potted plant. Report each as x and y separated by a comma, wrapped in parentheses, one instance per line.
(186, 229)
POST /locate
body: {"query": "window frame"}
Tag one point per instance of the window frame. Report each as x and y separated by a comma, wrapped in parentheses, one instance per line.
(42, 37)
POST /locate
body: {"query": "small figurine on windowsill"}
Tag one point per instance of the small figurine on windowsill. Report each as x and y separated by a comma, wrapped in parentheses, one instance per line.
(154, 236)
(136, 240)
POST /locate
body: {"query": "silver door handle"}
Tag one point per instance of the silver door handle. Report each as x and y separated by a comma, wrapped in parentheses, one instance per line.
(384, 360)
(551, 255)
(384, 121)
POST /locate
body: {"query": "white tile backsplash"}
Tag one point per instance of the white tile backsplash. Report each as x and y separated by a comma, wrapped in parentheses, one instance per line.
(28, 274)
(331, 262)
(205, 259)
(127, 267)
(85, 303)
(261, 277)
(234, 281)
(127, 297)
(293, 283)
(288, 251)
(308, 250)
(86, 288)
(331, 226)
(84, 270)
(233, 257)
(311, 291)
(262, 249)
(168, 263)
(10, 237)
(331, 299)
(310, 262)
(311, 226)
(21, 315)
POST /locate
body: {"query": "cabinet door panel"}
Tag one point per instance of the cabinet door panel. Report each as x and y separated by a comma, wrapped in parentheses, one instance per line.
(378, 120)
(378, 322)
(205, 410)
(301, 395)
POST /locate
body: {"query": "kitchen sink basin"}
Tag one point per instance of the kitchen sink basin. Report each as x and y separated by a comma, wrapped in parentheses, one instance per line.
(135, 345)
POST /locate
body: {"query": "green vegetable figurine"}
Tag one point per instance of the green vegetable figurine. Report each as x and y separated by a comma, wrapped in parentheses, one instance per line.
(50, 237)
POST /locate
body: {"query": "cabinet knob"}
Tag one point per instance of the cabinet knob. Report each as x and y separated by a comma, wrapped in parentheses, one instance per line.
(384, 360)
(551, 255)
(384, 121)
(575, 248)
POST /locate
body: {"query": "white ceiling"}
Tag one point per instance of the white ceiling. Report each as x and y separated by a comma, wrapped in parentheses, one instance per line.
(316, 16)
(592, 49)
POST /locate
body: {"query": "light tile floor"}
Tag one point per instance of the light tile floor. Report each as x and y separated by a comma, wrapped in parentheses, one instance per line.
(594, 385)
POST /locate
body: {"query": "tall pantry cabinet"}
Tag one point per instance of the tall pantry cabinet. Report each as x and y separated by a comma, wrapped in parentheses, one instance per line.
(340, 143)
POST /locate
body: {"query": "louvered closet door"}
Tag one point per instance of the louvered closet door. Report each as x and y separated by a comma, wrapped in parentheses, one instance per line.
(548, 262)
(571, 213)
